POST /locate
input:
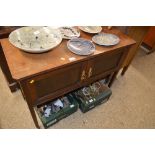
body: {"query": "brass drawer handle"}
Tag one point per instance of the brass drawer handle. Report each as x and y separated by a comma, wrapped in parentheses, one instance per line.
(90, 72)
(32, 81)
(83, 76)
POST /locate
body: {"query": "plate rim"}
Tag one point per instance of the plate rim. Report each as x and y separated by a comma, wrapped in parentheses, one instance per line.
(34, 50)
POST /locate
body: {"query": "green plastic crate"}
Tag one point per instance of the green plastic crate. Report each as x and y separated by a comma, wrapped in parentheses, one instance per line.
(55, 117)
(95, 100)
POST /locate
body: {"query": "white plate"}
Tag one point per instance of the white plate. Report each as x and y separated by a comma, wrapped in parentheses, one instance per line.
(69, 32)
(91, 29)
(106, 39)
(35, 39)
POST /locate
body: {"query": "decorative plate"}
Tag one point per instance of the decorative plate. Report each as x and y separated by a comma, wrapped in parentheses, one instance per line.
(69, 32)
(81, 46)
(91, 29)
(36, 39)
(106, 39)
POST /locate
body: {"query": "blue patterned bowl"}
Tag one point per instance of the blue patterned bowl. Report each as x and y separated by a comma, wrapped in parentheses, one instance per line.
(81, 46)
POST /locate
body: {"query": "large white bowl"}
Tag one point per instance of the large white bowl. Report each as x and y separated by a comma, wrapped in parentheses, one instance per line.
(35, 39)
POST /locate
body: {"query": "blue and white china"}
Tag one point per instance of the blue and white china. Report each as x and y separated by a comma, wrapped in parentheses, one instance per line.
(69, 32)
(81, 46)
(35, 39)
(106, 39)
(91, 29)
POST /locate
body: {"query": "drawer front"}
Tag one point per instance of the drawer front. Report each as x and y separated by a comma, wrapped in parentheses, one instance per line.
(55, 81)
(104, 63)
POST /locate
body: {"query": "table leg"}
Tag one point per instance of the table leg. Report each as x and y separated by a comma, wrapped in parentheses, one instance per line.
(137, 33)
(113, 78)
(13, 85)
(34, 117)
(25, 91)
(124, 70)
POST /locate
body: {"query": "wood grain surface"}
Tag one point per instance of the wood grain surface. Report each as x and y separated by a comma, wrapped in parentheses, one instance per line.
(23, 65)
(149, 38)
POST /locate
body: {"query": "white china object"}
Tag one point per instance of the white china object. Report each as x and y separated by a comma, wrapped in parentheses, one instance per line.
(69, 32)
(91, 29)
(81, 46)
(106, 39)
(35, 39)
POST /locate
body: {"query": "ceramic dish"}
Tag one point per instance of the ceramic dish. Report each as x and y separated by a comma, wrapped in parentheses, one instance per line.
(69, 32)
(37, 39)
(106, 39)
(91, 29)
(81, 46)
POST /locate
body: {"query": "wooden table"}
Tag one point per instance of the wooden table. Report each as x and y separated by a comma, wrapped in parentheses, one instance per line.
(149, 40)
(4, 33)
(137, 33)
(6, 30)
(43, 77)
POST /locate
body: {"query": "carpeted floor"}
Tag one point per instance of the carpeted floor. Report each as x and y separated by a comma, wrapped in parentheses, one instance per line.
(132, 104)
